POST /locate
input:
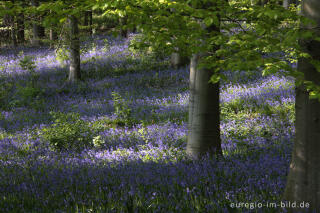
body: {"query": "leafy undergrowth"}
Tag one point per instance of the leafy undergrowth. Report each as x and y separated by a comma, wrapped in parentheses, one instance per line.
(115, 141)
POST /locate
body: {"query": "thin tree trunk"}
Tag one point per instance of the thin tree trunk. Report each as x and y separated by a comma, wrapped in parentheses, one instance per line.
(123, 31)
(13, 33)
(20, 28)
(74, 71)
(262, 2)
(303, 182)
(13, 29)
(177, 60)
(20, 25)
(42, 31)
(88, 20)
(53, 35)
(35, 27)
(7, 22)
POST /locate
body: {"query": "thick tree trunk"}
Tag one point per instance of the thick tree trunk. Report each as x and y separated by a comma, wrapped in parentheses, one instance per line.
(303, 183)
(204, 113)
(204, 110)
(74, 71)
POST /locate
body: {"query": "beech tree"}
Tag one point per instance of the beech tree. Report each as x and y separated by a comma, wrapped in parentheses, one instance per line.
(303, 183)
(74, 69)
(204, 110)
(66, 13)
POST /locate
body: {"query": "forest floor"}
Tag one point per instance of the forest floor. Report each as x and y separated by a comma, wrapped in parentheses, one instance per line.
(115, 142)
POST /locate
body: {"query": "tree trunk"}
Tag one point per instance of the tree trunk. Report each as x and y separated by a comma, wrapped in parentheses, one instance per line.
(53, 35)
(178, 61)
(20, 28)
(303, 183)
(123, 30)
(13, 33)
(35, 27)
(74, 71)
(88, 20)
(13, 29)
(42, 31)
(204, 112)
(262, 2)
(7, 22)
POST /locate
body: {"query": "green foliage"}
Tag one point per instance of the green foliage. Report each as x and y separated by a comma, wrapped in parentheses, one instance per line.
(6, 88)
(98, 141)
(121, 108)
(68, 132)
(27, 63)
(62, 55)
(26, 95)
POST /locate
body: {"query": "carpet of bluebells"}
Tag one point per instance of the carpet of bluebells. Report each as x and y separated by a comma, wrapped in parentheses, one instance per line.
(131, 111)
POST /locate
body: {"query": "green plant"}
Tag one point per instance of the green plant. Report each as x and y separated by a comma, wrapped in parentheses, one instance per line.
(106, 45)
(121, 108)
(5, 90)
(98, 141)
(25, 95)
(68, 132)
(27, 63)
(62, 55)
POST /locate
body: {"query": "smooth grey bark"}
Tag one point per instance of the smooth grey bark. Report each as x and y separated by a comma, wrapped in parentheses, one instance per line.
(303, 182)
(204, 105)
(204, 112)
(74, 69)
